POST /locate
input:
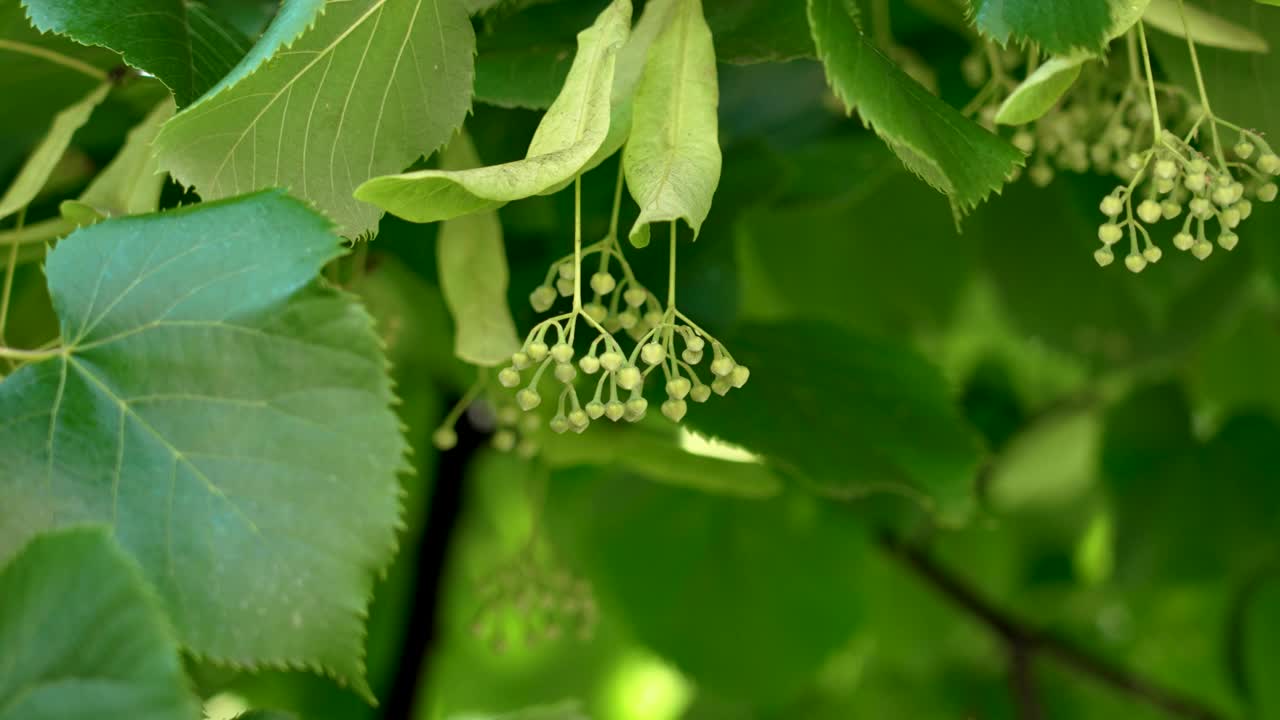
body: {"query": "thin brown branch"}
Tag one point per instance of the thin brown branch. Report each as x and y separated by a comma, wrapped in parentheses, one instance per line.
(1024, 642)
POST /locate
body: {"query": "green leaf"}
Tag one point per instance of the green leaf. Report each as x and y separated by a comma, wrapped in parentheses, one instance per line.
(1261, 638)
(1206, 28)
(131, 183)
(38, 167)
(1042, 89)
(747, 597)
(178, 41)
(948, 151)
(83, 636)
(567, 139)
(292, 19)
(1058, 27)
(567, 710)
(266, 715)
(522, 58)
(473, 275)
(228, 418)
(1049, 463)
(849, 415)
(758, 31)
(367, 90)
(672, 159)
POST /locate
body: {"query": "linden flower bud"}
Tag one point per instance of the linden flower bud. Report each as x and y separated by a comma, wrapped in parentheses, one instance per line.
(565, 373)
(1109, 234)
(528, 399)
(589, 364)
(614, 410)
(1243, 149)
(629, 377)
(653, 318)
(691, 357)
(1166, 169)
(1134, 161)
(1194, 182)
(504, 441)
(1202, 249)
(567, 271)
(1228, 240)
(595, 409)
(1024, 141)
(721, 386)
(596, 312)
(700, 393)
(675, 410)
(1269, 163)
(1103, 256)
(679, 388)
(1150, 212)
(1231, 217)
(1198, 166)
(1183, 241)
(1164, 187)
(627, 320)
(740, 375)
(509, 377)
(1201, 208)
(603, 283)
(722, 366)
(562, 352)
(508, 415)
(611, 361)
(579, 420)
(634, 297)
(1152, 254)
(542, 298)
(1267, 192)
(559, 424)
(1170, 209)
(444, 438)
(1223, 196)
(564, 287)
(636, 408)
(1111, 206)
(1041, 175)
(1136, 263)
(520, 360)
(1245, 208)
(652, 353)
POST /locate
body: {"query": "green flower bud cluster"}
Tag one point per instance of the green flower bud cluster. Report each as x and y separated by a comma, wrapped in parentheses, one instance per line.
(1174, 180)
(526, 603)
(513, 431)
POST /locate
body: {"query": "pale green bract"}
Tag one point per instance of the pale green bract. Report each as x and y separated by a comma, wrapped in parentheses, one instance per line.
(227, 418)
(630, 68)
(473, 275)
(1042, 89)
(950, 152)
(672, 158)
(374, 85)
(1206, 28)
(33, 175)
(83, 637)
(131, 183)
(573, 129)
(178, 41)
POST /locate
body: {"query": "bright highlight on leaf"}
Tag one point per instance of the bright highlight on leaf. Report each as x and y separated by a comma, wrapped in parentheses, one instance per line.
(573, 129)
(227, 418)
(1042, 89)
(83, 636)
(948, 151)
(672, 157)
(178, 41)
(372, 86)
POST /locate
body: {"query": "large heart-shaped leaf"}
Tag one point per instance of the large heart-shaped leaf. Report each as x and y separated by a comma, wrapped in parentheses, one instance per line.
(371, 87)
(82, 636)
(226, 417)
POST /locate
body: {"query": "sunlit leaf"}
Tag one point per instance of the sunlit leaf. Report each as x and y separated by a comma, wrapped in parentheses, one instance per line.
(1056, 27)
(1042, 89)
(131, 183)
(1176, 18)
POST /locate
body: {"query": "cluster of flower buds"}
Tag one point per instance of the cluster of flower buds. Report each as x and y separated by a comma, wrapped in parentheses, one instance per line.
(526, 603)
(513, 431)
(1175, 180)
(665, 340)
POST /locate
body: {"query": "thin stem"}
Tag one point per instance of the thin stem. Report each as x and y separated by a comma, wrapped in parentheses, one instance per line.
(671, 277)
(482, 381)
(54, 57)
(577, 244)
(1151, 86)
(26, 356)
(1134, 73)
(9, 269)
(1204, 94)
